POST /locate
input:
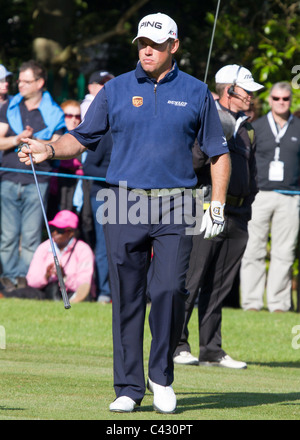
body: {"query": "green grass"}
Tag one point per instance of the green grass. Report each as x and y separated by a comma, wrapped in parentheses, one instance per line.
(57, 365)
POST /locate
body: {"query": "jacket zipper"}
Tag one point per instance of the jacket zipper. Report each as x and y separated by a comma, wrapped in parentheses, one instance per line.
(155, 98)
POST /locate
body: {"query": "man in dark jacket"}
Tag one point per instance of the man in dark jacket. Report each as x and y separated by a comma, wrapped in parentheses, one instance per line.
(214, 263)
(96, 164)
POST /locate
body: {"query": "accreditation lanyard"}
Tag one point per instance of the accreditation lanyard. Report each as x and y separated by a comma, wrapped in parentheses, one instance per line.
(276, 166)
(278, 133)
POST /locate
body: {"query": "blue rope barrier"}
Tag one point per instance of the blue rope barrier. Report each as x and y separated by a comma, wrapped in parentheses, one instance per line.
(75, 176)
(285, 191)
(46, 173)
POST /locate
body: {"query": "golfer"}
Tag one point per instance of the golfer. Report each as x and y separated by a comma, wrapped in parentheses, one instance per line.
(155, 114)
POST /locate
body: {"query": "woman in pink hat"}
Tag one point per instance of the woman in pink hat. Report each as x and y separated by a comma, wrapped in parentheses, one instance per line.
(76, 259)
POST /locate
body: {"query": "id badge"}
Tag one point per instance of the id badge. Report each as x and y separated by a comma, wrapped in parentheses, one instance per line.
(276, 171)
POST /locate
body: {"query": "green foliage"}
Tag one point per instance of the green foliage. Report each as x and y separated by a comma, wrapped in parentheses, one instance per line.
(279, 52)
(263, 36)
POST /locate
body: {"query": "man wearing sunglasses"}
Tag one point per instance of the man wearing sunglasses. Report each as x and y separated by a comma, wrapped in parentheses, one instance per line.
(276, 206)
(67, 186)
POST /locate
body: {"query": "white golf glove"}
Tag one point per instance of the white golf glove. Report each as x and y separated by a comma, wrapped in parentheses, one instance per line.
(213, 220)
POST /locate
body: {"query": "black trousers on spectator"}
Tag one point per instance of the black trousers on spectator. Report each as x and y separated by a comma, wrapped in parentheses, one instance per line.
(213, 267)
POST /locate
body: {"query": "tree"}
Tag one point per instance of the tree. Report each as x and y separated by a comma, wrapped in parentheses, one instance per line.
(263, 36)
(75, 37)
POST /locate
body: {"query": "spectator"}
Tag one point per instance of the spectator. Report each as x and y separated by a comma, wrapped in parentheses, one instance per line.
(76, 260)
(214, 263)
(67, 186)
(4, 98)
(31, 113)
(4, 85)
(276, 207)
(233, 298)
(4, 88)
(96, 164)
(82, 193)
(96, 82)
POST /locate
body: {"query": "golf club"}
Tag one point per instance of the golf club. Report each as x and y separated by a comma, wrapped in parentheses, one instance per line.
(58, 269)
(211, 41)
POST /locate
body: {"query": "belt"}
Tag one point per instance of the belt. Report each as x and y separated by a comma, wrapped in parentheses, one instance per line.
(234, 201)
(157, 192)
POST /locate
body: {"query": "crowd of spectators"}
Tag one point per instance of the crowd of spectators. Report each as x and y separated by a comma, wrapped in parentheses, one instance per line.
(34, 113)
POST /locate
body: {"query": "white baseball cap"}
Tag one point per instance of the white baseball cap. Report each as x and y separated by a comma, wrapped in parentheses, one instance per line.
(234, 74)
(157, 27)
(3, 72)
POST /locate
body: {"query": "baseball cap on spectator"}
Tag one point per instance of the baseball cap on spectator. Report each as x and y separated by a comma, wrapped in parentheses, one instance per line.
(100, 77)
(4, 72)
(157, 27)
(237, 75)
(65, 219)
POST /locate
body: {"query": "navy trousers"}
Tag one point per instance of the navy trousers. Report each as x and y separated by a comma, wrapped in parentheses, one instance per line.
(133, 276)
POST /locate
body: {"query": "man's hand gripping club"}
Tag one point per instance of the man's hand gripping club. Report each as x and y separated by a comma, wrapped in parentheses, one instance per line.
(38, 151)
(66, 147)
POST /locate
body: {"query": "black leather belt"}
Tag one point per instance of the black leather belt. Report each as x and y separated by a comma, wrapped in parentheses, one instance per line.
(234, 201)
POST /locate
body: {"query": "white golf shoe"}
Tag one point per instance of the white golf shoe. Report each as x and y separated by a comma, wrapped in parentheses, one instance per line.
(185, 358)
(122, 404)
(225, 362)
(164, 400)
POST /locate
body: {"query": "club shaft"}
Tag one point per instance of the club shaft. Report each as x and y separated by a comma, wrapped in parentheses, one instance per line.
(57, 266)
(211, 42)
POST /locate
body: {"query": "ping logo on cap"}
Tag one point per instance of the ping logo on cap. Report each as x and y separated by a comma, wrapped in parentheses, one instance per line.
(137, 101)
(157, 27)
(155, 24)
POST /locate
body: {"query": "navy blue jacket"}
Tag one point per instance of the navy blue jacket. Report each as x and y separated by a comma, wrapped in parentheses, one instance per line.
(154, 126)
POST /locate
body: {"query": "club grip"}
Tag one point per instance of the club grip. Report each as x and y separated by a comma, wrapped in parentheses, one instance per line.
(62, 284)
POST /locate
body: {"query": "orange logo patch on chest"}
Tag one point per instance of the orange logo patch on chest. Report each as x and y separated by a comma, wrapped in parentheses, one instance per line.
(137, 101)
